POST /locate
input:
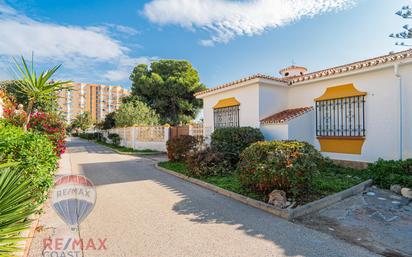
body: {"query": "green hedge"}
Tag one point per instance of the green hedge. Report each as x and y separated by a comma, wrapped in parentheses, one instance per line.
(387, 173)
(35, 154)
(282, 165)
(232, 141)
(115, 138)
(91, 135)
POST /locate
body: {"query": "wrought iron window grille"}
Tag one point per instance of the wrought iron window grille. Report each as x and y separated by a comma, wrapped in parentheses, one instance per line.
(342, 117)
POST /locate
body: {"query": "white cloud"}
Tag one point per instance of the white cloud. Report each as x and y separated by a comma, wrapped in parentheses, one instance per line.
(125, 68)
(226, 19)
(76, 47)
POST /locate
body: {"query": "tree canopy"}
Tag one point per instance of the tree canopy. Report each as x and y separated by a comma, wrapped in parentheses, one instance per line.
(109, 121)
(168, 86)
(135, 113)
(83, 121)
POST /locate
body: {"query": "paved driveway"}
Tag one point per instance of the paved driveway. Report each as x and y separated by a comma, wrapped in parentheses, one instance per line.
(141, 211)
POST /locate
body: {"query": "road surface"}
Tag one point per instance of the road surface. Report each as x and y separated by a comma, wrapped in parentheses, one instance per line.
(141, 211)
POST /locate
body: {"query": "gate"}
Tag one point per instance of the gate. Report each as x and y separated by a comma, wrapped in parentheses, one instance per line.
(177, 131)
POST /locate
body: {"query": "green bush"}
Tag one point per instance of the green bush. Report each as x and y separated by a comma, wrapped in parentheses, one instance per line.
(282, 165)
(91, 135)
(387, 173)
(207, 162)
(232, 141)
(115, 138)
(35, 154)
(179, 147)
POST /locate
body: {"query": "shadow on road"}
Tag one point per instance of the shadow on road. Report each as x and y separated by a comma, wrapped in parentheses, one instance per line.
(203, 206)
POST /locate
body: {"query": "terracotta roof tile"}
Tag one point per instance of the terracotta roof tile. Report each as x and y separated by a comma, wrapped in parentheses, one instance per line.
(260, 76)
(392, 57)
(286, 115)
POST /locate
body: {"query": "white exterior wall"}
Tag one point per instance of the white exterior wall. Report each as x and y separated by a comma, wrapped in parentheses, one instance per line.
(272, 99)
(248, 96)
(302, 128)
(381, 110)
(275, 131)
(259, 100)
(406, 74)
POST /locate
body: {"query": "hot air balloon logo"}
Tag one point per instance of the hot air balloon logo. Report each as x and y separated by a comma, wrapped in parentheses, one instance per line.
(73, 198)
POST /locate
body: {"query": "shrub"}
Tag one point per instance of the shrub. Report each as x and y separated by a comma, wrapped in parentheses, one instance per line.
(47, 124)
(282, 165)
(35, 154)
(387, 173)
(91, 135)
(16, 205)
(51, 126)
(115, 138)
(207, 162)
(179, 147)
(232, 141)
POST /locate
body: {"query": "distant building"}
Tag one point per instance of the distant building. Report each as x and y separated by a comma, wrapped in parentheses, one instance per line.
(98, 100)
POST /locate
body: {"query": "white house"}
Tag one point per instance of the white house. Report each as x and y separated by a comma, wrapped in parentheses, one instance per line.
(355, 112)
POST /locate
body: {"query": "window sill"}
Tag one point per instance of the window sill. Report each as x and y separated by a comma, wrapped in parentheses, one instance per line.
(345, 145)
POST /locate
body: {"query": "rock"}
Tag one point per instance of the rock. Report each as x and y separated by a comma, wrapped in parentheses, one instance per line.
(396, 189)
(277, 198)
(406, 192)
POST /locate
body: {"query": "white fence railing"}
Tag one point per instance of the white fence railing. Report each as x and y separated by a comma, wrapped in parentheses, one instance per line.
(149, 137)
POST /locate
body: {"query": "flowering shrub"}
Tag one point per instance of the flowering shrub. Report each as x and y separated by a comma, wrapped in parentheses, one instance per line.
(207, 162)
(51, 126)
(282, 165)
(179, 147)
(44, 123)
(33, 152)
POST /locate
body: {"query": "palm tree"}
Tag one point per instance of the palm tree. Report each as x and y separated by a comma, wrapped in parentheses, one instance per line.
(37, 87)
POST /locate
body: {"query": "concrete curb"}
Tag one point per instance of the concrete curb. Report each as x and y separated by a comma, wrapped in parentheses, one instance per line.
(287, 214)
(29, 234)
(329, 200)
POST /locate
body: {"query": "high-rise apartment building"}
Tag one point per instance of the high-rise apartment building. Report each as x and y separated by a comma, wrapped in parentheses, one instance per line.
(96, 99)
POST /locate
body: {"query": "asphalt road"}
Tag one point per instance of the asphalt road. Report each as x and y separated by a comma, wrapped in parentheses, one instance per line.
(141, 211)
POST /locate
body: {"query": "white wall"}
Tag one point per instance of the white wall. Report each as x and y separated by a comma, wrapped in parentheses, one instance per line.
(381, 110)
(406, 74)
(248, 96)
(273, 99)
(302, 128)
(275, 131)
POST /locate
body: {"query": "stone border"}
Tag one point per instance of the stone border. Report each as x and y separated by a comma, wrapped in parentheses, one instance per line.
(29, 234)
(287, 214)
(329, 200)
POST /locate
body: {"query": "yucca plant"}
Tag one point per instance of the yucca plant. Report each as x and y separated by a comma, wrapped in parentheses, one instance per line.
(17, 203)
(36, 87)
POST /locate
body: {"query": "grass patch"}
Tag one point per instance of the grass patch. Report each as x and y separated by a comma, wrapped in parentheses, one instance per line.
(228, 182)
(127, 149)
(334, 178)
(331, 180)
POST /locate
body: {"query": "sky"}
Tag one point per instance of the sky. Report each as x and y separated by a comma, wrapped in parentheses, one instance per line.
(101, 41)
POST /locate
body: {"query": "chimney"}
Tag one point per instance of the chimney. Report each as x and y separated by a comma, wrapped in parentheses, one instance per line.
(293, 71)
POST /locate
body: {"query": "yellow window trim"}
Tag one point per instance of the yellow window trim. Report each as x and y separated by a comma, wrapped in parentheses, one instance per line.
(346, 145)
(227, 102)
(342, 91)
